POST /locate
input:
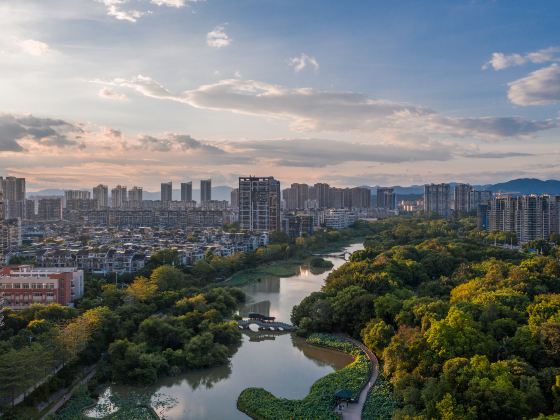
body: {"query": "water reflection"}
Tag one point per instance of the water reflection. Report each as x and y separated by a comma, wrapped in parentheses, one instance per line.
(201, 378)
(258, 307)
(265, 359)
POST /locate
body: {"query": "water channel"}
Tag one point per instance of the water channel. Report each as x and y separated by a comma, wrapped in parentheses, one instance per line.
(283, 364)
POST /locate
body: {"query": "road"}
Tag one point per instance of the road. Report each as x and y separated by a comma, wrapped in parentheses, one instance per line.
(354, 410)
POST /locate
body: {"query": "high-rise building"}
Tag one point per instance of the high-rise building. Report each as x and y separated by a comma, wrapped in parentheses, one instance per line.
(462, 198)
(118, 196)
(186, 191)
(530, 217)
(480, 197)
(259, 203)
(76, 195)
(13, 193)
(320, 192)
(30, 213)
(135, 197)
(12, 188)
(205, 190)
(296, 196)
(436, 199)
(10, 237)
(533, 217)
(386, 198)
(50, 209)
(234, 198)
(101, 195)
(166, 192)
(502, 214)
(360, 198)
(336, 198)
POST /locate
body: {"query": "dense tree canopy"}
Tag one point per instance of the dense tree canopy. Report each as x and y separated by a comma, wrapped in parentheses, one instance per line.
(465, 329)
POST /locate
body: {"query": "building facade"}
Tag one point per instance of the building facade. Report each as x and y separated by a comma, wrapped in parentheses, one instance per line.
(259, 203)
(166, 192)
(386, 198)
(205, 190)
(436, 199)
(186, 191)
(101, 195)
(26, 285)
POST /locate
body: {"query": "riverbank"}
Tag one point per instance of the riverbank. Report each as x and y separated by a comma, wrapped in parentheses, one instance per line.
(260, 404)
(285, 268)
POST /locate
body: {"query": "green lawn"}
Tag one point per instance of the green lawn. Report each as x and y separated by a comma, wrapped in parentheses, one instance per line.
(284, 268)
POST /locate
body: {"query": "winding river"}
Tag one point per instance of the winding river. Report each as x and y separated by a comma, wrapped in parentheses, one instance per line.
(283, 364)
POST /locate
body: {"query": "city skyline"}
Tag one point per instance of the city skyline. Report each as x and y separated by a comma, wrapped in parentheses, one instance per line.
(129, 92)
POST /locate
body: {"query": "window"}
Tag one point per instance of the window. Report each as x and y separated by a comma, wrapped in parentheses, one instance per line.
(25, 286)
(16, 286)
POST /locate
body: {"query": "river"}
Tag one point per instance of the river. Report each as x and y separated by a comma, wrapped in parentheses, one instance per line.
(283, 364)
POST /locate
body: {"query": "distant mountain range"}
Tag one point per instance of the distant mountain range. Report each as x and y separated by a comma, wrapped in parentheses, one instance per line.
(521, 186)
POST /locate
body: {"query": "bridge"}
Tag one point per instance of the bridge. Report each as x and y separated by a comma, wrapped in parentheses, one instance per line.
(344, 255)
(264, 323)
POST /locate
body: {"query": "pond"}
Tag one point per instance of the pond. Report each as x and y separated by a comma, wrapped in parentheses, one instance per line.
(282, 363)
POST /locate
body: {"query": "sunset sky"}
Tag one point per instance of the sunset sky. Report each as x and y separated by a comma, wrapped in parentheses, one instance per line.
(348, 92)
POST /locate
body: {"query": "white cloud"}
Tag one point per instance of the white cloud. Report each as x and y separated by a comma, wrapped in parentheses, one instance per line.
(141, 84)
(108, 93)
(312, 110)
(217, 38)
(115, 8)
(541, 87)
(33, 47)
(303, 61)
(171, 3)
(501, 61)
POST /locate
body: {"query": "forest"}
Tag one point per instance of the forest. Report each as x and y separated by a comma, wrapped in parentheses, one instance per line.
(464, 329)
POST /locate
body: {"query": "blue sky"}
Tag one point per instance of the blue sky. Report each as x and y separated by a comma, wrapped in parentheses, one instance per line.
(350, 92)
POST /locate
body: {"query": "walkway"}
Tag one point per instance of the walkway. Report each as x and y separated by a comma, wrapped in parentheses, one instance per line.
(64, 398)
(354, 410)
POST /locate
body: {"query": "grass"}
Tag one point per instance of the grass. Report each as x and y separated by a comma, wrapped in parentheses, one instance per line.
(283, 268)
(318, 404)
(380, 403)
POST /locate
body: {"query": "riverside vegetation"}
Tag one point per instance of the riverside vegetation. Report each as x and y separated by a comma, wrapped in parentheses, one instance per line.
(165, 320)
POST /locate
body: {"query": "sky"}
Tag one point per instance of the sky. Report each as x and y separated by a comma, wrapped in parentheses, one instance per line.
(354, 92)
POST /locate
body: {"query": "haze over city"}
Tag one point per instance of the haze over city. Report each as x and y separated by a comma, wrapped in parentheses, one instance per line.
(351, 93)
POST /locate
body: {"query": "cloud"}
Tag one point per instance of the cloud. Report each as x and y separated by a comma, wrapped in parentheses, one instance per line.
(108, 93)
(177, 142)
(496, 155)
(42, 131)
(173, 3)
(501, 61)
(33, 47)
(303, 61)
(541, 87)
(141, 84)
(115, 9)
(217, 38)
(323, 152)
(313, 110)
(493, 127)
